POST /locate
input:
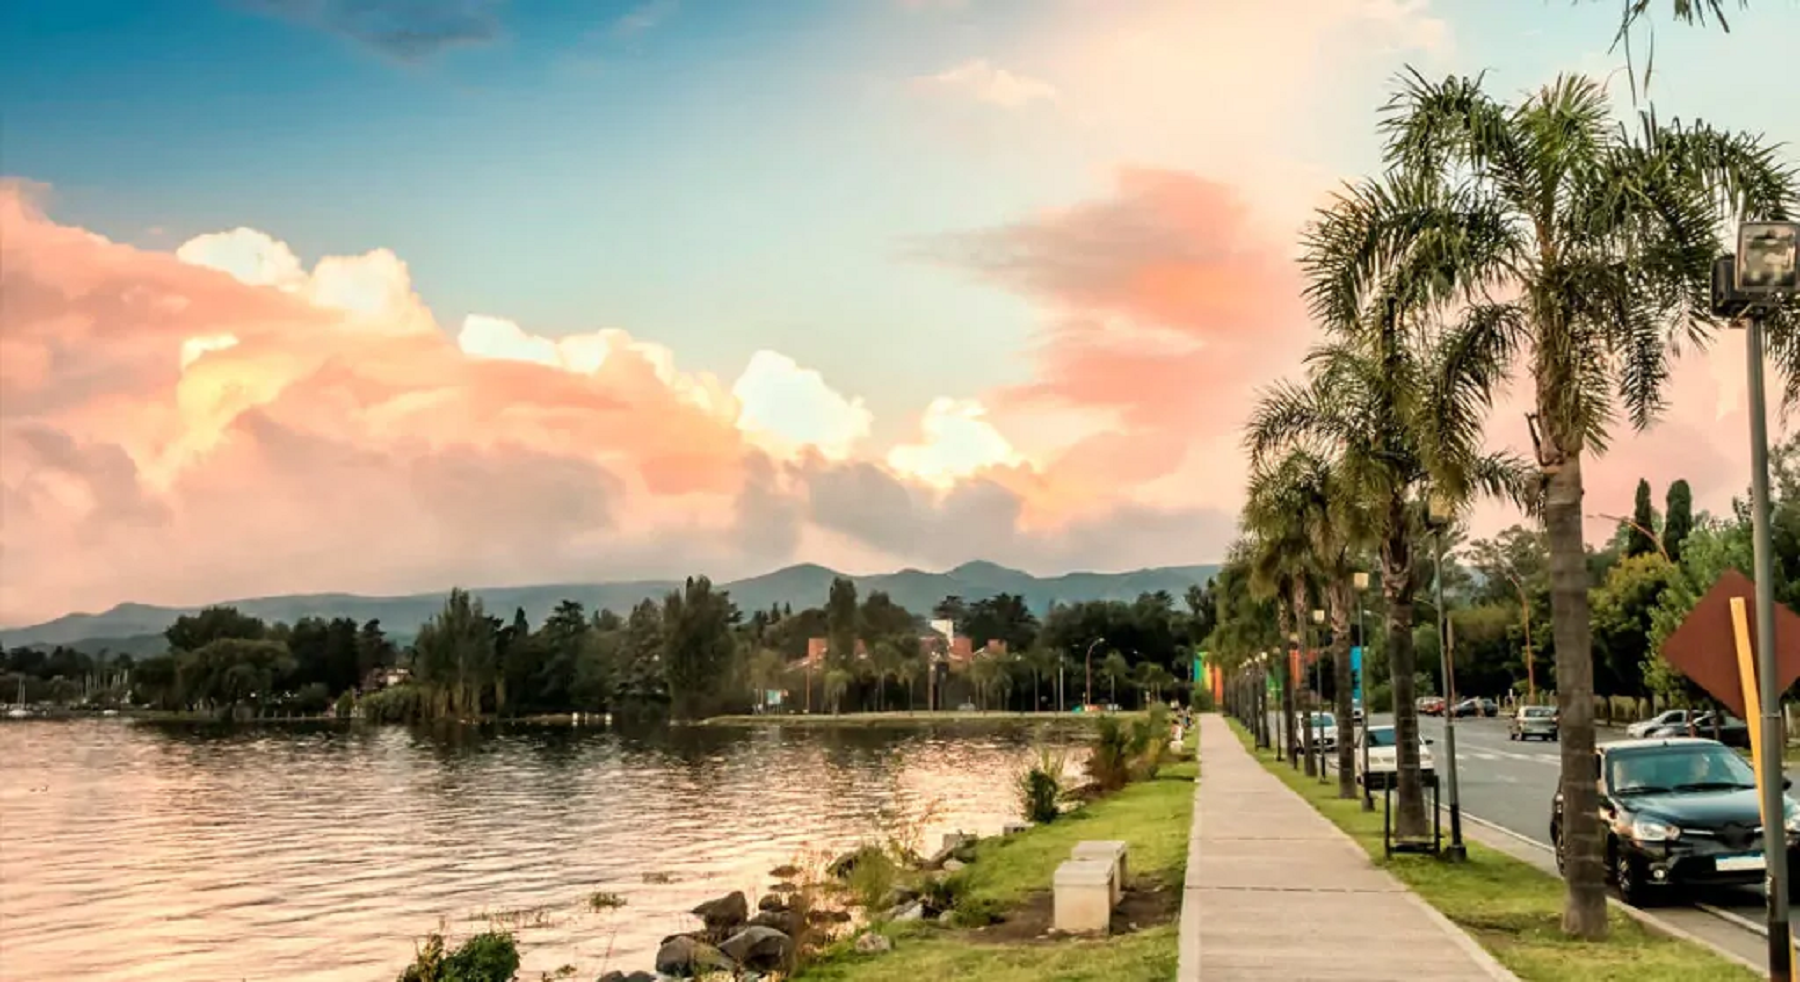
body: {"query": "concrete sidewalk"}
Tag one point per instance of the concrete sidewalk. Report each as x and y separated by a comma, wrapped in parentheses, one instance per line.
(1275, 891)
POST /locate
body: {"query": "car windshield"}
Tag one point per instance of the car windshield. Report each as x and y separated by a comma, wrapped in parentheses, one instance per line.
(1539, 712)
(1698, 767)
(1381, 736)
(1323, 719)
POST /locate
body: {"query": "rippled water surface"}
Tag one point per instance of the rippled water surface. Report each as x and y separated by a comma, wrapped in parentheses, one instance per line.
(140, 851)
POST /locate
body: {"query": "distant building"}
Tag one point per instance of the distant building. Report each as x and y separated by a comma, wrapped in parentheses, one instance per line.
(382, 678)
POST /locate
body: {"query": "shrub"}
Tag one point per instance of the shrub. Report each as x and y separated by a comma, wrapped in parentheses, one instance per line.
(492, 956)
(1041, 789)
(1202, 699)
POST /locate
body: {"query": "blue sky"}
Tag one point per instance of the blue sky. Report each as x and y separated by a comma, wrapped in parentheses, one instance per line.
(719, 175)
(1022, 264)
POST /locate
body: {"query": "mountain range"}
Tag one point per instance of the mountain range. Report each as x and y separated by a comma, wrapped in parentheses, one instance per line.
(136, 629)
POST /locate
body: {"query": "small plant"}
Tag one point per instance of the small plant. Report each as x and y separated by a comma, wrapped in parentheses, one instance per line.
(492, 956)
(1041, 788)
(605, 901)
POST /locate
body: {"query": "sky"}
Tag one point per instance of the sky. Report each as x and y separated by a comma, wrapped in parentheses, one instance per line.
(382, 296)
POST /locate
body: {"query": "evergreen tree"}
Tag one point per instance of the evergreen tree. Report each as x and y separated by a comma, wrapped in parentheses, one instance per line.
(1678, 520)
(1639, 539)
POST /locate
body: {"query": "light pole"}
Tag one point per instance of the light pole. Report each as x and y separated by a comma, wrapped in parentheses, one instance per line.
(1316, 720)
(1088, 700)
(1361, 582)
(1442, 511)
(1764, 276)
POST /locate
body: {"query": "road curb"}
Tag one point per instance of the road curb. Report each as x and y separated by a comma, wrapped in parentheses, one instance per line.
(1648, 920)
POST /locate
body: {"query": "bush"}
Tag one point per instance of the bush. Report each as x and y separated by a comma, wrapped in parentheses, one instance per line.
(1041, 788)
(492, 956)
(1202, 700)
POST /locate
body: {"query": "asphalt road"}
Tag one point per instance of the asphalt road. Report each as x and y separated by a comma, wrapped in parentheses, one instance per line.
(1511, 784)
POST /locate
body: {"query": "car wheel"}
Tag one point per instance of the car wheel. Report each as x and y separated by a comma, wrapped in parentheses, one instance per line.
(1630, 879)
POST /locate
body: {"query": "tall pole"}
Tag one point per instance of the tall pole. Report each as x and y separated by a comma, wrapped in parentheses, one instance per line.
(1362, 685)
(1774, 813)
(1088, 700)
(1457, 850)
(1317, 719)
(1530, 670)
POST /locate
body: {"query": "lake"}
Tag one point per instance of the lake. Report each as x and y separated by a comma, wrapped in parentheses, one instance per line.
(132, 850)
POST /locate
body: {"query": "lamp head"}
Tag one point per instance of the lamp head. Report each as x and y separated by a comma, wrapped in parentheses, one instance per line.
(1361, 581)
(1768, 259)
(1440, 507)
(1318, 616)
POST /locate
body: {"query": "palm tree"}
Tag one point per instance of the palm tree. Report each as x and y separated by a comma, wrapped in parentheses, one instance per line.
(1113, 668)
(1277, 554)
(911, 664)
(1601, 262)
(1305, 486)
(1396, 397)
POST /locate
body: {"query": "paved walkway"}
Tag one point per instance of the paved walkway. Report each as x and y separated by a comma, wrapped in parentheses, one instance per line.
(1275, 891)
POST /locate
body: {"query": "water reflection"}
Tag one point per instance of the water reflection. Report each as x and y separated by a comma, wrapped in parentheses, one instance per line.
(320, 852)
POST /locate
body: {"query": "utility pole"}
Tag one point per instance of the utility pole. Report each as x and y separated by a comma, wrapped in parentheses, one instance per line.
(1088, 699)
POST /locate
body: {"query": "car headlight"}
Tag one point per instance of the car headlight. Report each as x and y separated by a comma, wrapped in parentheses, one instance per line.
(1653, 830)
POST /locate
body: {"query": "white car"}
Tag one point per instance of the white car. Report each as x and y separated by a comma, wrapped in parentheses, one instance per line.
(1668, 717)
(1324, 730)
(1382, 765)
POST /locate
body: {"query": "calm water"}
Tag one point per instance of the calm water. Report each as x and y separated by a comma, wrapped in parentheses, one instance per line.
(139, 851)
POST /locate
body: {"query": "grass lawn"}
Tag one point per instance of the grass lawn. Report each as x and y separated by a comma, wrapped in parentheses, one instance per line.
(1011, 872)
(1515, 909)
(904, 718)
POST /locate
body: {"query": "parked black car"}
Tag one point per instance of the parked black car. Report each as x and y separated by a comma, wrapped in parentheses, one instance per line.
(1732, 732)
(1678, 812)
(1475, 707)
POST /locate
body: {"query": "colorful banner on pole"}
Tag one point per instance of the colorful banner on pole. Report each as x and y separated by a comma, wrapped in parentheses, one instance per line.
(1356, 675)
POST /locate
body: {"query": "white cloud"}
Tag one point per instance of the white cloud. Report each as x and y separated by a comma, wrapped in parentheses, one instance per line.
(786, 407)
(375, 288)
(958, 441)
(483, 336)
(992, 84)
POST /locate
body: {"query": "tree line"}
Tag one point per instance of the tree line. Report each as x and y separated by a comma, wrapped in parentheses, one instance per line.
(690, 654)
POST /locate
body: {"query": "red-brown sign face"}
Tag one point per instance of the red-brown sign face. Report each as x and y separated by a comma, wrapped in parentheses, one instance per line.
(1704, 647)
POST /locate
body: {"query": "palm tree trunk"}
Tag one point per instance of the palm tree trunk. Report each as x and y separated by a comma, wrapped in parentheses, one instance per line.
(1584, 910)
(1338, 597)
(1288, 740)
(1306, 727)
(1397, 588)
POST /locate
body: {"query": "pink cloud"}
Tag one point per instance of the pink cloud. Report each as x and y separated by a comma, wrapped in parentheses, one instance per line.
(1167, 307)
(228, 424)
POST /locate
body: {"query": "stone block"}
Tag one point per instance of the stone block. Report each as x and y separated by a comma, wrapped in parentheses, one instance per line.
(1014, 828)
(1082, 896)
(1109, 851)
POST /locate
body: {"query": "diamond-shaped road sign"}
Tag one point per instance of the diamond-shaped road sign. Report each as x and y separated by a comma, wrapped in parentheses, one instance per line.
(1704, 647)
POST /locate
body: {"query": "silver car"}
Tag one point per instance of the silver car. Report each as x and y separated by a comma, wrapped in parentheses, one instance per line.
(1539, 722)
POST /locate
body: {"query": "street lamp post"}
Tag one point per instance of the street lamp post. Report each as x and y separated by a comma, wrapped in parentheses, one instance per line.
(1442, 512)
(1361, 582)
(1763, 275)
(1298, 740)
(1088, 700)
(1316, 720)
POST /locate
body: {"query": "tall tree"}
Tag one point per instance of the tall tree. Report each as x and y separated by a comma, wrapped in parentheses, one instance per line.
(1605, 253)
(1640, 532)
(1308, 488)
(698, 646)
(1678, 519)
(841, 622)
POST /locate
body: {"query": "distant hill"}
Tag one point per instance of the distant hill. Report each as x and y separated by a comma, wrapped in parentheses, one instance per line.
(136, 628)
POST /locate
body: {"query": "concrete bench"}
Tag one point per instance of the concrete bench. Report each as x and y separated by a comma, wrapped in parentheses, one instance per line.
(1083, 897)
(1111, 852)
